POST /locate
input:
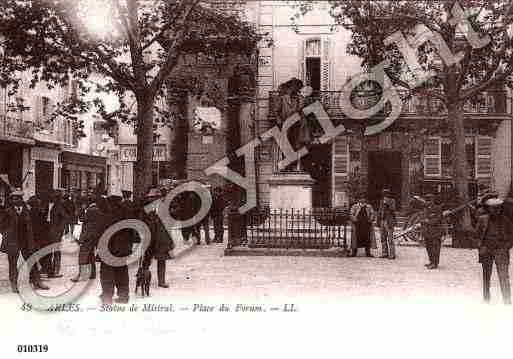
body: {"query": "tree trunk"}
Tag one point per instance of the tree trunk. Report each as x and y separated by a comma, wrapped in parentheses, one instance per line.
(143, 167)
(459, 161)
(179, 133)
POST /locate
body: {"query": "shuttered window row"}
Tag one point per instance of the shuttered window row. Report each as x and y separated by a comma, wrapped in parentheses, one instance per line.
(433, 157)
(340, 162)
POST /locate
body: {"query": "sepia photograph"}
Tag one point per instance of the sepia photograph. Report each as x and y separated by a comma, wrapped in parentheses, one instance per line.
(256, 178)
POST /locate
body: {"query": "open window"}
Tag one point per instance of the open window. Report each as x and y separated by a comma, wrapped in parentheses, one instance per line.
(315, 63)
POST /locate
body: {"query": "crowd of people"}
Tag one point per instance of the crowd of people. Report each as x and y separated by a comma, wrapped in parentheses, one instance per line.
(27, 227)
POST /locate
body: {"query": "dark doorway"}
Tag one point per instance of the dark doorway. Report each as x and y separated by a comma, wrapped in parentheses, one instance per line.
(385, 171)
(318, 164)
(44, 180)
(313, 73)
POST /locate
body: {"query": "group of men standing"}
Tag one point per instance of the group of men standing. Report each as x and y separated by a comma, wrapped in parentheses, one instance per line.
(28, 227)
(106, 211)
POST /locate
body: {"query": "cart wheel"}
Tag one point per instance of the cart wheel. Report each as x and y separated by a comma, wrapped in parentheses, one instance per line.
(415, 235)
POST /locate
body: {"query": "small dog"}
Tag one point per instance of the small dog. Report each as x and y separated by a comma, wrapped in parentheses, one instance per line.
(143, 280)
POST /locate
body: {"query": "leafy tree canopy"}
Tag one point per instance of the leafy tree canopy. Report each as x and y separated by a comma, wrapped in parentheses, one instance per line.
(133, 44)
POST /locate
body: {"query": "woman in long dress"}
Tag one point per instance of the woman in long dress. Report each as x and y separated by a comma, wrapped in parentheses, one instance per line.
(362, 217)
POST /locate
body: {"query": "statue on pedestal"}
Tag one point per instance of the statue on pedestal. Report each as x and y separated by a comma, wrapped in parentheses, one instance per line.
(291, 100)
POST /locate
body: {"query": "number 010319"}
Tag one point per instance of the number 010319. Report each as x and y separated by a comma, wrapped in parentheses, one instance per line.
(33, 348)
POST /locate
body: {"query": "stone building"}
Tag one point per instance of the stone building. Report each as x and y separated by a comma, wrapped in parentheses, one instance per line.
(410, 157)
(39, 153)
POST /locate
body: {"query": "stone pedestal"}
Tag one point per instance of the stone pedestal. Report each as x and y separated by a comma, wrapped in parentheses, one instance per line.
(291, 191)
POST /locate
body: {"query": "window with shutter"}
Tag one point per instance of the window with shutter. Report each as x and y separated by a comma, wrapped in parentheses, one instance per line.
(432, 157)
(340, 162)
(483, 157)
(325, 66)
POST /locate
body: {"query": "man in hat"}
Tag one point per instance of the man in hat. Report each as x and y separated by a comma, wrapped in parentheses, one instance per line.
(362, 216)
(94, 221)
(494, 240)
(161, 242)
(58, 217)
(386, 223)
(120, 245)
(16, 228)
(432, 230)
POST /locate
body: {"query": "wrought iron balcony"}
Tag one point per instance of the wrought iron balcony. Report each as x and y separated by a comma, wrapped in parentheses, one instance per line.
(13, 128)
(490, 104)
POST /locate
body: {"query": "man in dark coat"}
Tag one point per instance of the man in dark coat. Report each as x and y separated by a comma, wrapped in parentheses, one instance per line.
(432, 230)
(494, 240)
(189, 206)
(161, 242)
(94, 223)
(16, 227)
(39, 223)
(58, 218)
(120, 245)
(69, 204)
(386, 223)
(217, 214)
(362, 217)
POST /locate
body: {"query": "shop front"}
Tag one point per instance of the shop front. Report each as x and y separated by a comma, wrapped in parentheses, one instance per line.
(84, 172)
(128, 158)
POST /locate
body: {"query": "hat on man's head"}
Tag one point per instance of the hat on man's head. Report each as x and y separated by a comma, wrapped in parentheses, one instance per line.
(387, 191)
(493, 202)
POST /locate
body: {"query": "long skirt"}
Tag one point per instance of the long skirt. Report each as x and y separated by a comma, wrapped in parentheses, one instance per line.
(363, 235)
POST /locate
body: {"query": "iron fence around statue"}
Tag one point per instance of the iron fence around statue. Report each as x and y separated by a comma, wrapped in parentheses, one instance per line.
(316, 228)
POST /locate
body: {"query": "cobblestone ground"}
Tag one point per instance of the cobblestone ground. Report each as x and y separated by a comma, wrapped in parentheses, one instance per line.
(348, 307)
(206, 272)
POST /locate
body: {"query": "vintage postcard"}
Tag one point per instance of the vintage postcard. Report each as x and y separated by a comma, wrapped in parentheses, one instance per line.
(256, 178)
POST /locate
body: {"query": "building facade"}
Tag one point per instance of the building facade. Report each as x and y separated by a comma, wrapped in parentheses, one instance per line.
(413, 156)
(410, 157)
(39, 153)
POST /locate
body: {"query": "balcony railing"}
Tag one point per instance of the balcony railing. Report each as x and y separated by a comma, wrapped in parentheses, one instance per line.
(412, 106)
(13, 127)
